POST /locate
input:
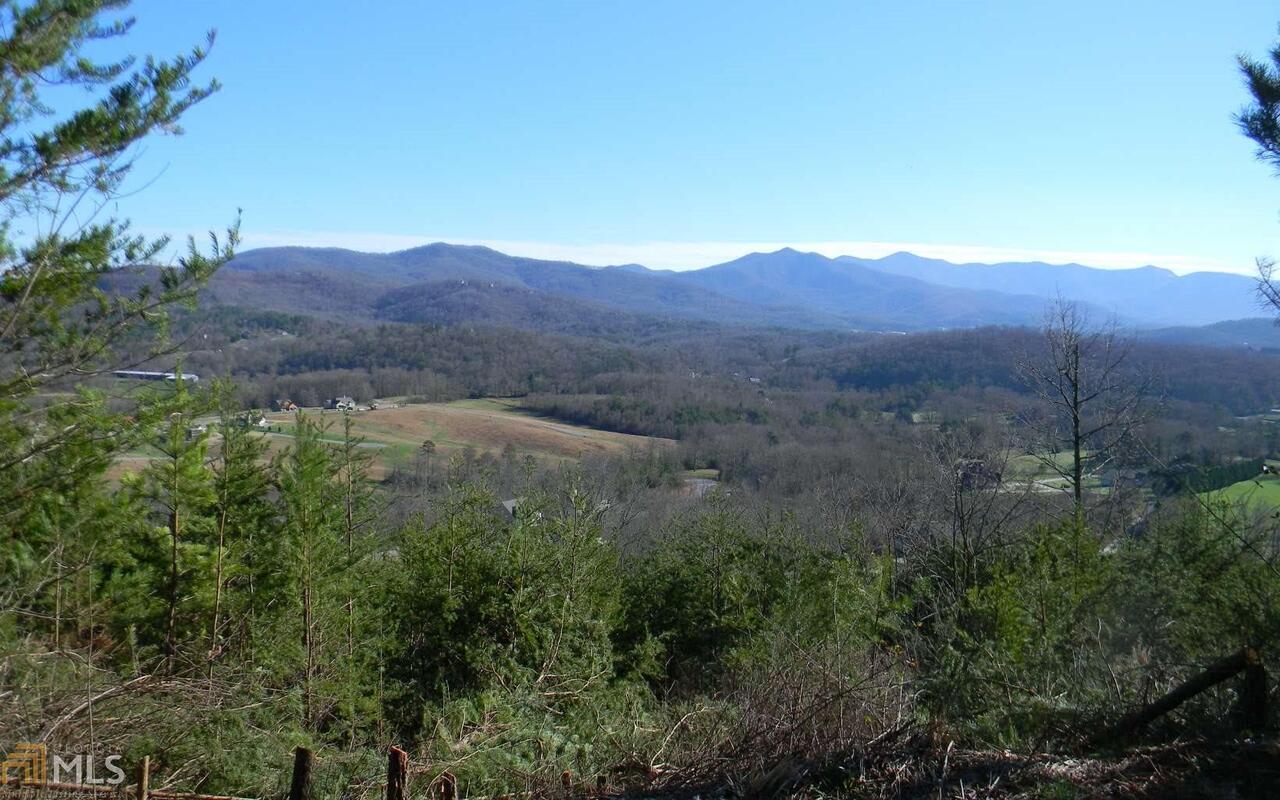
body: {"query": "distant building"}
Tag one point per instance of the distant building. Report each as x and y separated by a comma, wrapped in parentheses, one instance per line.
(284, 405)
(976, 474)
(147, 375)
(342, 403)
(253, 420)
(698, 487)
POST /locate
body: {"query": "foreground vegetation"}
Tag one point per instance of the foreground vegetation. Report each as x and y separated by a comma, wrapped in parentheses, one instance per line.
(282, 611)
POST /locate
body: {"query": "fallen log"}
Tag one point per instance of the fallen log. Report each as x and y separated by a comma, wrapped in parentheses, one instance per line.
(1212, 675)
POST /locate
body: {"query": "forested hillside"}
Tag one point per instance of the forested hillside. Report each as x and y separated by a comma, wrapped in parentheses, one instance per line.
(1149, 295)
(442, 283)
(299, 279)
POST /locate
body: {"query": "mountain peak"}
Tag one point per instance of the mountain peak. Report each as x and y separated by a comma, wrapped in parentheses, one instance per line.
(446, 247)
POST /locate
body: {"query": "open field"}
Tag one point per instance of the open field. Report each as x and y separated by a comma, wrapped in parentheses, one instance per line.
(1044, 472)
(1040, 465)
(486, 425)
(1256, 494)
(396, 433)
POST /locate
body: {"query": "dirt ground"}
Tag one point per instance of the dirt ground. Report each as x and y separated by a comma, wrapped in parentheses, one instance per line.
(394, 433)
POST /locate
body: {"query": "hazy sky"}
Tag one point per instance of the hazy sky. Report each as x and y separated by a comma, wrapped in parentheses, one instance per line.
(683, 133)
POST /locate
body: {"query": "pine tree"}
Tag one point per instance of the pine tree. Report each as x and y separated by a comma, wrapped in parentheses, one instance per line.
(179, 487)
(1260, 121)
(241, 516)
(313, 558)
(57, 326)
(359, 511)
(357, 497)
(64, 317)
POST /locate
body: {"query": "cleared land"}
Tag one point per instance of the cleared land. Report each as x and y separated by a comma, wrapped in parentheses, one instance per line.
(395, 434)
(1044, 471)
(488, 425)
(1256, 494)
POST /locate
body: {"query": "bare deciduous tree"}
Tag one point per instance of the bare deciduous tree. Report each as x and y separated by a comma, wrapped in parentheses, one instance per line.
(1091, 402)
(977, 504)
(1268, 288)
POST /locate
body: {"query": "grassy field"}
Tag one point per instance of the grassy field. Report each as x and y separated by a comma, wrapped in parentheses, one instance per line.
(395, 434)
(487, 426)
(1037, 469)
(1028, 465)
(1257, 494)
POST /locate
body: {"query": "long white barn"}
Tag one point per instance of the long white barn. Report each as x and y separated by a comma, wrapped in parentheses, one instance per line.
(145, 375)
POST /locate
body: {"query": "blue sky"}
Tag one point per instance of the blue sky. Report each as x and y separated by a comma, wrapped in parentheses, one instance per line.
(683, 133)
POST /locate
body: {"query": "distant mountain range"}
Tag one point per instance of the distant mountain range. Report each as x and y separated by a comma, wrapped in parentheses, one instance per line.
(311, 280)
(452, 284)
(1142, 296)
(1261, 333)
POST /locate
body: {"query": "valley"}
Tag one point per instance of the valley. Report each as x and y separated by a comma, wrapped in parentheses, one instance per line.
(588, 401)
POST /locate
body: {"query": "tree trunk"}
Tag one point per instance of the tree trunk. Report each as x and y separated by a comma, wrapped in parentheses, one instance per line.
(1251, 712)
(1077, 462)
(217, 586)
(171, 613)
(308, 646)
(397, 774)
(144, 778)
(300, 786)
